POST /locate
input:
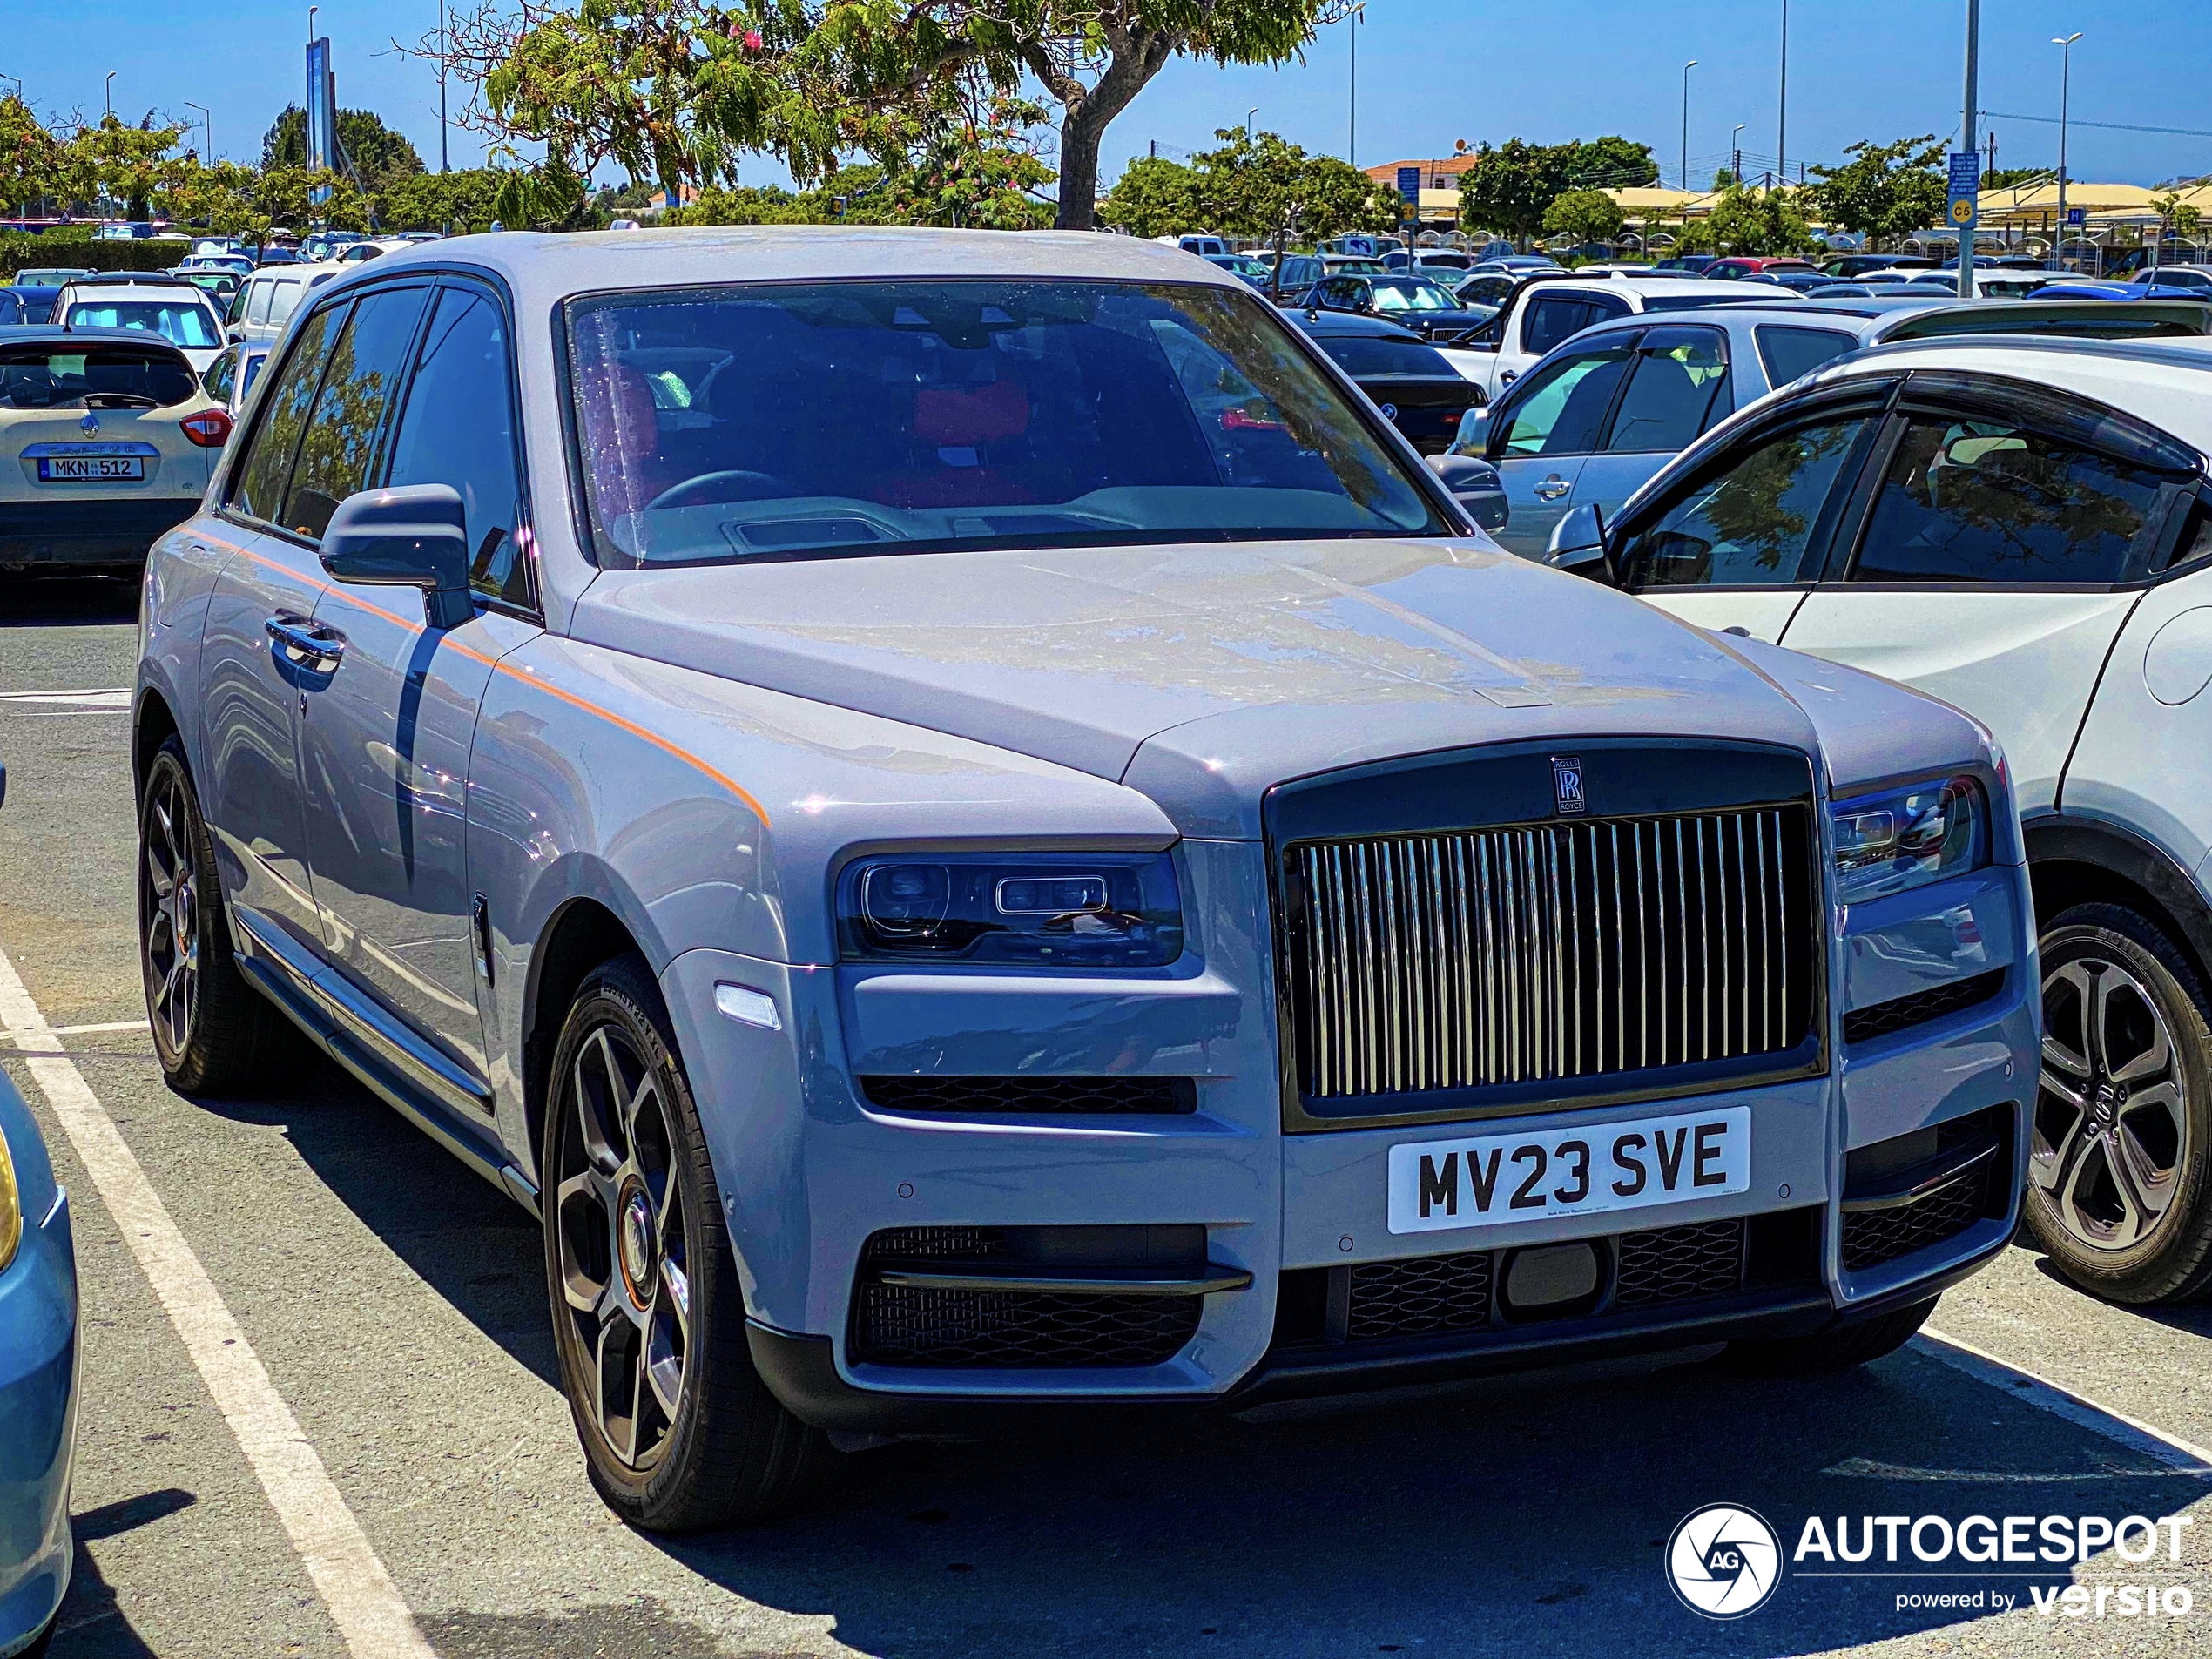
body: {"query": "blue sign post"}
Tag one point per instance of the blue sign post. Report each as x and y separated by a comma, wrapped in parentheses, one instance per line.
(2077, 216)
(1965, 193)
(1409, 192)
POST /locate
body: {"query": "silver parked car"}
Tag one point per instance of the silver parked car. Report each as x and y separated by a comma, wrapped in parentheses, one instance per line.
(973, 830)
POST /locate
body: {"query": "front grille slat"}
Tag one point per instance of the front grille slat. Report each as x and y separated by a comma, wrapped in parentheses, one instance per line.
(1478, 959)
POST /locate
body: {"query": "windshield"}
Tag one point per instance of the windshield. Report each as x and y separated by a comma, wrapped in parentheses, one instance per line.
(181, 322)
(794, 420)
(96, 377)
(1411, 294)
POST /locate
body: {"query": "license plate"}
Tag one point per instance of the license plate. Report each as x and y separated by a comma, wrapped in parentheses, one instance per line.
(1485, 1180)
(89, 470)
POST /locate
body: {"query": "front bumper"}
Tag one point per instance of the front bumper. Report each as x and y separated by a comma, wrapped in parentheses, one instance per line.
(804, 1191)
(38, 1375)
(113, 531)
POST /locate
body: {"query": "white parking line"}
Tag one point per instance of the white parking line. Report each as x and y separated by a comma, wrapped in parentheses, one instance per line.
(367, 1608)
(116, 697)
(2040, 1392)
(8, 1037)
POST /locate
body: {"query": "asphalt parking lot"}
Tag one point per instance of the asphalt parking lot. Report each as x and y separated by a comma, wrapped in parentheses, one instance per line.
(395, 1302)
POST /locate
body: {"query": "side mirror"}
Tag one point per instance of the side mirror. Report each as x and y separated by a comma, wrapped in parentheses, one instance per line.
(415, 536)
(1475, 485)
(1578, 544)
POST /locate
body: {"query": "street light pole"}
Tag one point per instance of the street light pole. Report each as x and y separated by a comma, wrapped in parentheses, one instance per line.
(1736, 154)
(1968, 144)
(1686, 68)
(209, 122)
(445, 159)
(2065, 43)
(107, 94)
(1352, 134)
(1782, 105)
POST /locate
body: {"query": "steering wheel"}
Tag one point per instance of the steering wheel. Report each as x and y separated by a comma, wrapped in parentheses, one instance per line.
(711, 489)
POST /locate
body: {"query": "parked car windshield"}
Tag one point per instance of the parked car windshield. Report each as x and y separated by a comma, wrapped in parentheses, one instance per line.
(72, 376)
(796, 421)
(178, 322)
(1413, 293)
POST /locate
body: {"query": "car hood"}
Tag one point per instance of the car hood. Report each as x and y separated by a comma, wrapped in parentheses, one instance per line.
(1203, 674)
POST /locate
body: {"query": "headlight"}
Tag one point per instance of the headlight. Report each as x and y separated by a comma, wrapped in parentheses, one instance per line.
(10, 1207)
(1889, 842)
(1106, 910)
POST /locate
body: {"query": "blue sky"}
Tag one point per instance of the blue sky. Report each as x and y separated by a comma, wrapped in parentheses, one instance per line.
(1431, 71)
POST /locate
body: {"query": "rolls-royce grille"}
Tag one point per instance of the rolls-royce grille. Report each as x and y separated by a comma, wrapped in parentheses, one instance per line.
(1479, 958)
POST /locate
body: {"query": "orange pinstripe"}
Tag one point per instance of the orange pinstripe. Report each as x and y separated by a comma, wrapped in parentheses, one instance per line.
(533, 681)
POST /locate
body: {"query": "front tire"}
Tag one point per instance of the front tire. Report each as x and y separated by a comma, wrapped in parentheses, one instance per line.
(212, 1032)
(2121, 1135)
(679, 1431)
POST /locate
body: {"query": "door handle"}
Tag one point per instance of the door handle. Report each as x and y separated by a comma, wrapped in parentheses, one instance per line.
(306, 643)
(1553, 488)
(1509, 377)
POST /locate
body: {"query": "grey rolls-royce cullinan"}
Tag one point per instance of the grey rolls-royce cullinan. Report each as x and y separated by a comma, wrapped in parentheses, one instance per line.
(974, 832)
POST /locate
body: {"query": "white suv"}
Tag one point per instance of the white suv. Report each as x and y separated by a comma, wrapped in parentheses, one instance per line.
(2022, 526)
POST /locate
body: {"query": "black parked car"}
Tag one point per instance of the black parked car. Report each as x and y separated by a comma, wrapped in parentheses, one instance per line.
(1416, 302)
(1420, 394)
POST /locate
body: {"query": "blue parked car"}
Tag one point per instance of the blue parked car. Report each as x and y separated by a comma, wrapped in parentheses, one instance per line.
(37, 1381)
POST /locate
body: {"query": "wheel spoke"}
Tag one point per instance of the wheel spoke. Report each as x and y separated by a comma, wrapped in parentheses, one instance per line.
(2145, 1189)
(663, 1370)
(2095, 1032)
(572, 1199)
(676, 1297)
(2135, 1219)
(156, 877)
(2159, 1097)
(593, 1097)
(2156, 1059)
(2051, 1171)
(2057, 1056)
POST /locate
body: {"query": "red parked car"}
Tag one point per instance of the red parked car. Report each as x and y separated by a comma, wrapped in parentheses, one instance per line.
(1733, 269)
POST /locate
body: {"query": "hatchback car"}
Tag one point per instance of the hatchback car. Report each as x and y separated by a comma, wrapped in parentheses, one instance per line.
(232, 374)
(260, 310)
(176, 312)
(976, 834)
(2024, 528)
(106, 439)
(1427, 308)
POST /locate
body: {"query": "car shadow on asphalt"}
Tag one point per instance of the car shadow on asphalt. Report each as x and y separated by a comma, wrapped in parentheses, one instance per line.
(465, 1239)
(43, 601)
(91, 1623)
(1517, 1516)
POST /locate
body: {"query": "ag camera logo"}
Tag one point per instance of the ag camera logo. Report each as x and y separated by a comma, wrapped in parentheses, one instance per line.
(1723, 1561)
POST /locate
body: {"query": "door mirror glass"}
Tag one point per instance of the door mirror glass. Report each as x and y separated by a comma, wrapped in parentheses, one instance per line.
(1578, 544)
(1475, 485)
(413, 536)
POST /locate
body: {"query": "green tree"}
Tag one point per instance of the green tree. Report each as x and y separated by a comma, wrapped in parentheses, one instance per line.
(286, 195)
(127, 163)
(2176, 217)
(460, 201)
(1154, 197)
(677, 90)
(1511, 187)
(221, 197)
(30, 157)
(1586, 215)
(1749, 221)
(379, 155)
(1885, 190)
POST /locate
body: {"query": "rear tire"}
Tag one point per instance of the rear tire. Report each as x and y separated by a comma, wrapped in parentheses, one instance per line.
(679, 1432)
(2120, 1144)
(1839, 1349)
(212, 1032)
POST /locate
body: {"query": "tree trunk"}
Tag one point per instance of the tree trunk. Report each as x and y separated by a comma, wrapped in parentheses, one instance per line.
(1080, 139)
(1137, 56)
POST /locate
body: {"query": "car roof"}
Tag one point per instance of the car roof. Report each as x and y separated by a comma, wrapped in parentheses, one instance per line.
(2167, 382)
(54, 334)
(541, 268)
(149, 290)
(1642, 287)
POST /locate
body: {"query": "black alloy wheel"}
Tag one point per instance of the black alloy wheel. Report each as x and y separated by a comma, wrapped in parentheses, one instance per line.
(2122, 1125)
(678, 1431)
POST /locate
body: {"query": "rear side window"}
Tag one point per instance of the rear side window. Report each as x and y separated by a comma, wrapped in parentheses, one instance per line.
(1370, 358)
(1789, 352)
(1679, 384)
(221, 375)
(340, 441)
(459, 430)
(1984, 501)
(72, 376)
(1750, 526)
(284, 298)
(1559, 409)
(268, 467)
(1552, 320)
(256, 303)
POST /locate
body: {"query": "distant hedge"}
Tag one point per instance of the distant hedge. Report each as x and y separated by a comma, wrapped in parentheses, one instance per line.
(18, 249)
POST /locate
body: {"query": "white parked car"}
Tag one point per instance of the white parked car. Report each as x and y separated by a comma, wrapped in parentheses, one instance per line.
(354, 253)
(261, 309)
(1546, 310)
(2022, 526)
(179, 312)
